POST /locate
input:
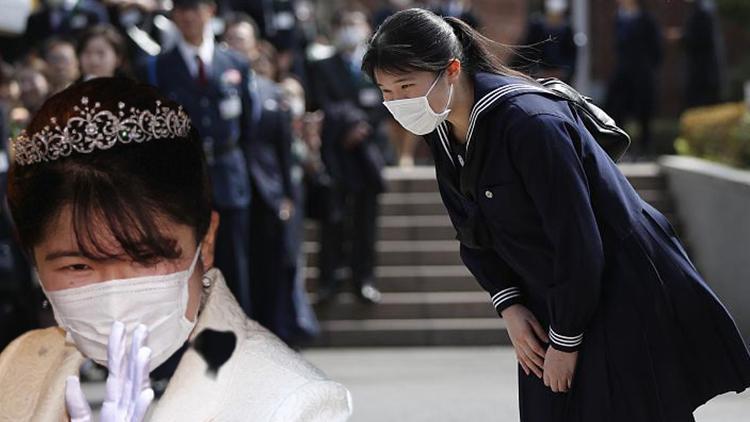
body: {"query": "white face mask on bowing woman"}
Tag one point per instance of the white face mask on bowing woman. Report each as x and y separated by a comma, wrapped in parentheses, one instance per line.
(416, 115)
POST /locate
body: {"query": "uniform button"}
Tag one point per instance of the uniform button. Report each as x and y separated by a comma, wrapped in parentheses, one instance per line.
(205, 102)
(488, 194)
(206, 121)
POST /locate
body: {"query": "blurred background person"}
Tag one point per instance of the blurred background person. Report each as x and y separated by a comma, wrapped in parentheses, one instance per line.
(9, 97)
(274, 254)
(278, 24)
(305, 129)
(353, 139)
(103, 53)
(632, 89)
(60, 55)
(20, 298)
(64, 18)
(33, 90)
(548, 49)
(212, 83)
(704, 55)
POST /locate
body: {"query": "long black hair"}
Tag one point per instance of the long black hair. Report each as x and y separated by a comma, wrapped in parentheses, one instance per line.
(419, 40)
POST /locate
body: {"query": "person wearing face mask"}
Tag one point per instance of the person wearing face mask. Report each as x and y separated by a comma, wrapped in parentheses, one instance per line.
(353, 144)
(117, 219)
(609, 318)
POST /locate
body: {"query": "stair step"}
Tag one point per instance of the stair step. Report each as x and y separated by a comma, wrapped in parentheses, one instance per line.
(413, 332)
(433, 227)
(437, 278)
(413, 305)
(422, 178)
(396, 252)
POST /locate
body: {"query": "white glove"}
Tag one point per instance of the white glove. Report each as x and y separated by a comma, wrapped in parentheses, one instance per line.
(129, 390)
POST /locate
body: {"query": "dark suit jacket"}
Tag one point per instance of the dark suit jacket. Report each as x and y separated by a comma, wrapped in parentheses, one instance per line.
(225, 136)
(269, 155)
(347, 97)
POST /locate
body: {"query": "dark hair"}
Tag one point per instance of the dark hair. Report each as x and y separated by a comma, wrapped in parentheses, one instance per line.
(236, 18)
(112, 36)
(419, 40)
(56, 41)
(129, 188)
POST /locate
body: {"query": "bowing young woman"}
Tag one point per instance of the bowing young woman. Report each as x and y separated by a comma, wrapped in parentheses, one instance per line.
(110, 195)
(609, 319)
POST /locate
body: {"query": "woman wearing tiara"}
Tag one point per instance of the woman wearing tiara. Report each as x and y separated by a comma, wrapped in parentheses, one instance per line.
(110, 197)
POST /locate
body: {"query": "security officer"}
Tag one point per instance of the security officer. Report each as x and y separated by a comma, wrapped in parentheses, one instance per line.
(212, 84)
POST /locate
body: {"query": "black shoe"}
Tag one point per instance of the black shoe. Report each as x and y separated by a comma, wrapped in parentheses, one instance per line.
(368, 294)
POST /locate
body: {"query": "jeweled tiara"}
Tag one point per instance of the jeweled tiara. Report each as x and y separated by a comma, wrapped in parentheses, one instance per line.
(92, 128)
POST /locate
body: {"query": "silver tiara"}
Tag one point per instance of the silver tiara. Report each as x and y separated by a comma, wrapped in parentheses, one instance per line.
(92, 128)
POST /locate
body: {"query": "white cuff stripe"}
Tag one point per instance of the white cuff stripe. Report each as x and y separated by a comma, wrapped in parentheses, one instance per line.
(506, 294)
(565, 340)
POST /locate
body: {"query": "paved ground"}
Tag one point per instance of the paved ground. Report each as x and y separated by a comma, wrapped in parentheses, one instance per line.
(468, 384)
(453, 384)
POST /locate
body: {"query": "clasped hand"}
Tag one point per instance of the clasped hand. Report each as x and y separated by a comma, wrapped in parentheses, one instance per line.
(555, 367)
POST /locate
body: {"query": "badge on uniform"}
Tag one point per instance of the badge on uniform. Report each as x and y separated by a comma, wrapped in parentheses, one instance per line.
(231, 107)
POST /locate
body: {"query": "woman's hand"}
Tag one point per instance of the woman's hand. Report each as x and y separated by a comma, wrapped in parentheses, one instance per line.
(525, 333)
(559, 368)
(128, 388)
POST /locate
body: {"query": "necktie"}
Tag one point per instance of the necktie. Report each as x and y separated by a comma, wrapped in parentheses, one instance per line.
(201, 79)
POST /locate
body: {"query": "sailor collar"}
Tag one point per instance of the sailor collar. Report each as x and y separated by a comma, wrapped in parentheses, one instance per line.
(489, 91)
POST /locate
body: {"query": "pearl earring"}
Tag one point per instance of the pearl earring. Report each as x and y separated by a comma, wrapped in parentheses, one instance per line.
(206, 281)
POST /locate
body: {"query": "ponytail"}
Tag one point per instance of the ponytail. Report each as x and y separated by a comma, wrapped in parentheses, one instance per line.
(419, 40)
(478, 54)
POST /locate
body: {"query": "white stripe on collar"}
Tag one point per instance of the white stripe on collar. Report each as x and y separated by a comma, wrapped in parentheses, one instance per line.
(490, 99)
(443, 135)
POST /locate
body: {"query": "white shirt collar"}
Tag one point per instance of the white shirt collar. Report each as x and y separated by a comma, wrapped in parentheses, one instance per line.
(205, 51)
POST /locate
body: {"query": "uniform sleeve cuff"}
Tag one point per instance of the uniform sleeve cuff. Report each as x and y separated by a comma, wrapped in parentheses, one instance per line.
(565, 343)
(504, 298)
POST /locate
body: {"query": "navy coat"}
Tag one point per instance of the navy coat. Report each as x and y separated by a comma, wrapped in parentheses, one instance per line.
(347, 97)
(546, 219)
(224, 136)
(269, 155)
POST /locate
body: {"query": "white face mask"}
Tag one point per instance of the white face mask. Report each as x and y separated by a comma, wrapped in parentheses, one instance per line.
(159, 302)
(416, 115)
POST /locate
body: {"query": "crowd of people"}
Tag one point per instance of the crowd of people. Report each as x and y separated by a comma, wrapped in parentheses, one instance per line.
(291, 127)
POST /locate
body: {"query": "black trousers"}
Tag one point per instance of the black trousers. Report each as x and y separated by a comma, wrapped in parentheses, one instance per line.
(232, 246)
(358, 225)
(271, 272)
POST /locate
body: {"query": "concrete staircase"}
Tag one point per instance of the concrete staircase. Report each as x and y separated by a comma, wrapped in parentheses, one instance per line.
(429, 297)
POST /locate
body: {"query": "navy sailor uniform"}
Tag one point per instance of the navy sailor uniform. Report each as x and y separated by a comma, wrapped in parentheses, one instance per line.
(545, 218)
